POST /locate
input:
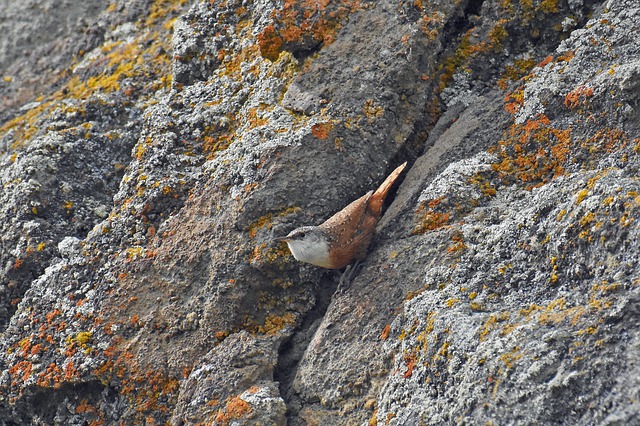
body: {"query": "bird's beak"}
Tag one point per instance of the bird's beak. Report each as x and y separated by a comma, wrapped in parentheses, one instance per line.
(281, 239)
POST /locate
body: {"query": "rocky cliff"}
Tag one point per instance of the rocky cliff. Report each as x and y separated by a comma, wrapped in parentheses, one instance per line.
(151, 150)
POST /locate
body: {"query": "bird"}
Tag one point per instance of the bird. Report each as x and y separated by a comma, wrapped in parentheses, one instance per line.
(344, 238)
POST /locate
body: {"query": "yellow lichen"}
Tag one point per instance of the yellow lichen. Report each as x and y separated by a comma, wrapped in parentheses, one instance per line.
(452, 302)
(510, 358)
(266, 221)
(83, 337)
(492, 322)
(582, 195)
(475, 306)
(372, 110)
(561, 214)
(498, 35)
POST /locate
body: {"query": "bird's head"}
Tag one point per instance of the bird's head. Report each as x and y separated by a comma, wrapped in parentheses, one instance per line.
(309, 244)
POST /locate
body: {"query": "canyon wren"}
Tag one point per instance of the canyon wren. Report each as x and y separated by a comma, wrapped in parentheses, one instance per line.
(345, 236)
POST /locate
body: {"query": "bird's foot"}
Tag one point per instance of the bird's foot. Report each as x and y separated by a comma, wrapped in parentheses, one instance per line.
(350, 272)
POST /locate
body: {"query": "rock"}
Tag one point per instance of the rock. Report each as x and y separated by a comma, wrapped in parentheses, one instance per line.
(151, 151)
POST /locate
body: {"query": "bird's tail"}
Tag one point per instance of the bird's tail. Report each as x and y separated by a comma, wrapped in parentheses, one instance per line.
(377, 199)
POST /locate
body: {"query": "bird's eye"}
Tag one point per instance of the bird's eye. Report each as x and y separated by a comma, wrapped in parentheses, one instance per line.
(301, 235)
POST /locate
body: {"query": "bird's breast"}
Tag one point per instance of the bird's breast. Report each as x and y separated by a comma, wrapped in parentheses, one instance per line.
(313, 252)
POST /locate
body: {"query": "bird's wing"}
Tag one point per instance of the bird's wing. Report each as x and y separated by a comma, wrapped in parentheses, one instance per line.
(348, 220)
(351, 230)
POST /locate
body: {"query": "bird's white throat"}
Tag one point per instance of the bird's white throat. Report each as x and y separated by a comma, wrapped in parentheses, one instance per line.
(315, 252)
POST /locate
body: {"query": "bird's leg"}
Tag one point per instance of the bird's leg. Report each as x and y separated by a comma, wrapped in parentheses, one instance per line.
(348, 275)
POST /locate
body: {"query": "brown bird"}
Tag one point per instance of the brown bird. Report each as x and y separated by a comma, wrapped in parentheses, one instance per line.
(345, 236)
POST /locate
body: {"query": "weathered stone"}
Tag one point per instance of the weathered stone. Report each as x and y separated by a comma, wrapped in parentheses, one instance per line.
(148, 163)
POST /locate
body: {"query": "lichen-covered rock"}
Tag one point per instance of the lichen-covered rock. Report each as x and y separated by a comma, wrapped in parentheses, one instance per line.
(143, 185)
(34, 48)
(532, 316)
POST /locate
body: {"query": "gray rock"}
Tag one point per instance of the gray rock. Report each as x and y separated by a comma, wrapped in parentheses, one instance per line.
(143, 185)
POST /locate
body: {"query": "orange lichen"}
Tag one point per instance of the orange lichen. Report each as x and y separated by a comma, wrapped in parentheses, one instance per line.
(274, 323)
(532, 153)
(302, 22)
(606, 140)
(431, 221)
(557, 312)
(256, 119)
(70, 371)
(410, 362)
(567, 56)
(273, 256)
(431, 25)
(459, 244)
(429, 218)
(486, 187)
(135, 320)
(462, 55)
(321, 130)
(492, 323)
(574, 98)
(235, 408)
(216, 139)
(221, 335)
(509, 358)
(513, 101)
(535, 152)
(384, 335)
(150, 392)
(270, 43)
(51, 376)
(545, 61)
(161, 11)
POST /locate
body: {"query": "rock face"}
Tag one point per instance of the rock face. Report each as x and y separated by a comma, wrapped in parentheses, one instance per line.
(146, 172)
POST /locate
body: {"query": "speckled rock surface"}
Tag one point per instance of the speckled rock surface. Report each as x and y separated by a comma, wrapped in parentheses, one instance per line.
(144, 182)
(530, 316)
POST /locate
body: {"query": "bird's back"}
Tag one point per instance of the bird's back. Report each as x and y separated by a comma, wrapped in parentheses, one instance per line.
(352, 228)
